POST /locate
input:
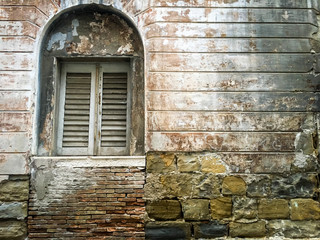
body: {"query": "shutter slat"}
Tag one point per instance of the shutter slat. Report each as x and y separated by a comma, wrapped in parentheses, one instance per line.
(115, 101)
(78, 102)
(114, 133)
(75, 138)
(114, 117)
(78, 75)
(75, 134)
(77, 86)
(115, 85)
(114, 123)
(114, 113)
(78, 91)
(112, 107)
(77, 107)
(76, 128)
(115, 75)
(115, 96)
(111, 91)
(113, 138)
(78, 96)
(113, 144)
(77, 110)
(83, 119)
(112, 127)
(116, 80)
(74, 143)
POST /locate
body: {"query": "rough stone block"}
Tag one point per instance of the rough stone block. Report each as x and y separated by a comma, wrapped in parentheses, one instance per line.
(233, 185)
(212, 163)
(297, 185)
(305, 209)
(14, 191)
(196, 209)
(13, 210)
(161, 162)
(244, 208)
(180, 185)
(294, 229)
(186, 185)
(13, 230)
(221, 207)
(164, 209)
(210, 230)
(209, 186)
(258, 186)
(304, 142)
(273, 208)
(256, 229)
(168, 230)
(188, 163)
(304, 163)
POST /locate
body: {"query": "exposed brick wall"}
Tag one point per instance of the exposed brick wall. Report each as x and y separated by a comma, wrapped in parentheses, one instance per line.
(87, 203)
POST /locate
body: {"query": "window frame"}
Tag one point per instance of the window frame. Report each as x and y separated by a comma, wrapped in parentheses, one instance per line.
(96, 69)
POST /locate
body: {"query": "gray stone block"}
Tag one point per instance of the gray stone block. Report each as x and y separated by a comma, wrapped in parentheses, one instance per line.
(166, 231)
(210, 230)
(297, 185)
(17, 210)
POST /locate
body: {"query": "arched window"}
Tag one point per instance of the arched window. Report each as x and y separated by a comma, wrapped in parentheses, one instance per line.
(91, 85)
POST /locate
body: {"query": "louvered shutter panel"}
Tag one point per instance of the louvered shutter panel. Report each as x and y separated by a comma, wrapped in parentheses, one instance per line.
(114, 111)
(76, 110)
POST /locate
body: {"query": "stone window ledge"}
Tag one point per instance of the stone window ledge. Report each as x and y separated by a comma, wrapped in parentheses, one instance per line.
(91, 161)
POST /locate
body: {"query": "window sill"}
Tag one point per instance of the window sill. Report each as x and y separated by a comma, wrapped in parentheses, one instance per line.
(92, 161)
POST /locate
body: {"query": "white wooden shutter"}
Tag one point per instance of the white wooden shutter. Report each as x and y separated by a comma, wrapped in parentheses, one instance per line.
(76, 113)
(77, 110)
(94, 109)
(115, 109)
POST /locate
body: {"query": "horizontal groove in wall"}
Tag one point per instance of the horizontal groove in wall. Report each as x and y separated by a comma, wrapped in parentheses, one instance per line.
(233, 111)
(234, 91)
(232, 23)
(220, 131)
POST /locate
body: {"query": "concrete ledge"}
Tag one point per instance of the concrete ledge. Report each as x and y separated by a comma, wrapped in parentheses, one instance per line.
(92, 161)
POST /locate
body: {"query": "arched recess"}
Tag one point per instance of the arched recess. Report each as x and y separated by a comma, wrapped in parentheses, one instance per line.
(89, 35)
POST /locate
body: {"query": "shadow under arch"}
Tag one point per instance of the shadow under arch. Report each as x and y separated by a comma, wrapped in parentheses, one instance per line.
(87, 33)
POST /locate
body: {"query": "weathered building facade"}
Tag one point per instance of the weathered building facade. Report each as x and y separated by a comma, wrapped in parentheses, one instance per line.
(159, 119)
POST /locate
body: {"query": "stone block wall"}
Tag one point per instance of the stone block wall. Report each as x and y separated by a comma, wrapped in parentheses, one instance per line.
(196, 195)
(86, 199)
(14, 193)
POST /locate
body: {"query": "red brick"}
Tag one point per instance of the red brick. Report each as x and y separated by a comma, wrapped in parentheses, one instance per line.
(40, 235)
(127, 199)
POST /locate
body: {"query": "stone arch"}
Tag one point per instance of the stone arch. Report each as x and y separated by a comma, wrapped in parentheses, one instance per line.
(88, 32)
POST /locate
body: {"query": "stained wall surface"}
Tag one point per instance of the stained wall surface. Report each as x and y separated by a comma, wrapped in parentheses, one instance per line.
(231, 101)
